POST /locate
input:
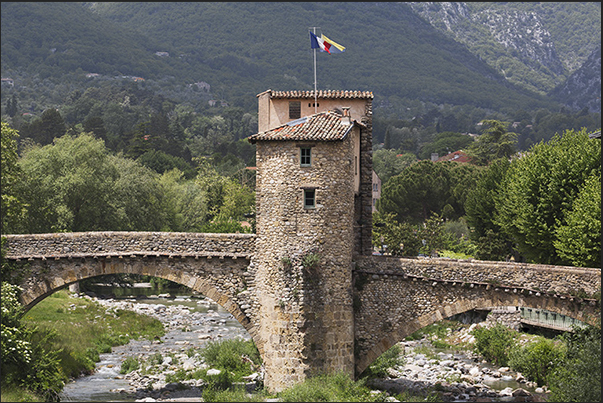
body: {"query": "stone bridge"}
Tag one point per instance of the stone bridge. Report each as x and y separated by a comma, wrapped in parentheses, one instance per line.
(391, 297)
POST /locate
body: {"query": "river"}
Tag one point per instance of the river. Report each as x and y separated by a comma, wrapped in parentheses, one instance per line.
(192, 320)
(201, 320)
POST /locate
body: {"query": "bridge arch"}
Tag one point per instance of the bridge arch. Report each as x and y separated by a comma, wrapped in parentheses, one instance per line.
(395, 297)
(224, 280)
(500, 299)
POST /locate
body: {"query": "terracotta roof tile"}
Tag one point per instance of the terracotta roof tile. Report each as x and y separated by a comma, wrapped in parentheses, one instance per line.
(324, 126)
(323, 94)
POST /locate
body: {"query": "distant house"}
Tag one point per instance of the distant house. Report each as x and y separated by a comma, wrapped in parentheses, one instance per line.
(138, 79)
(457, 156)
(202, 85)
(8, 81)
(162, 54)
(92, 75)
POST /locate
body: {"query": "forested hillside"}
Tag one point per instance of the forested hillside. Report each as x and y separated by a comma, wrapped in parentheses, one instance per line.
(182, 78)
(241, 49)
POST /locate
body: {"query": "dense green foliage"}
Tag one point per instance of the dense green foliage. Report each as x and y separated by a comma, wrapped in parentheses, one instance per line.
(415, 72)
(538, 194)
(24, 362)
(570, 364)
(537, 360)
(494, 143)
(495, 343)
(12, 208)
(427, 187)
(76, 184)
(578, 239)
(541, 206)
(578, 377)
(492, 243)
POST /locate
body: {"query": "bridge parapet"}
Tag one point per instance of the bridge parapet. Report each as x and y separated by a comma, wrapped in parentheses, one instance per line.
(536, 277)
(102, 244)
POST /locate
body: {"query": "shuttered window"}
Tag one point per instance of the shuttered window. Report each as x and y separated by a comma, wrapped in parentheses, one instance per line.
(294, 109)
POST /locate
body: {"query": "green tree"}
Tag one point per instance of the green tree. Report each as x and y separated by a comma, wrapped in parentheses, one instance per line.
(578, 377)
(387, 164)
(401, 238)
(186, 202)
(421, 189)
(45, 129)
(13, 209)
(23, 361)
(495, 343)
(12, 106)
(226, 198)
(480, 206)
(579, 239)
(539, 190)
(68, 185)
(136, 198)
(495, 142)
(427, 187)
(536, 361)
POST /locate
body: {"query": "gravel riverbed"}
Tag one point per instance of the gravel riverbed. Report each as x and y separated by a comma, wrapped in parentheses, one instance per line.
(459, 376)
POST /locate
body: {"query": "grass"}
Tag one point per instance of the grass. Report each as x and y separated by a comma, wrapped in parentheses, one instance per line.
(15, 394)
(331, 388)
(83, 329)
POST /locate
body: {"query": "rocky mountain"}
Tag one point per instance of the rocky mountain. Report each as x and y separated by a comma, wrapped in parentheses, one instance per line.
(534, 45)
(583, 88)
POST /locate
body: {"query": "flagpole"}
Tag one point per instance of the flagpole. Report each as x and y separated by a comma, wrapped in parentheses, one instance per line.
(315, 92)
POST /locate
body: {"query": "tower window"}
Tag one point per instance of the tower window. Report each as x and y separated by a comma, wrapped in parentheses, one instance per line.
(305, 156)
(294, 109)
(309, 198)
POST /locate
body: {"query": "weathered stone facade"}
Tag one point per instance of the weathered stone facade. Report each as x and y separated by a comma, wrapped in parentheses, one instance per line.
(100, 244)
(306, 309)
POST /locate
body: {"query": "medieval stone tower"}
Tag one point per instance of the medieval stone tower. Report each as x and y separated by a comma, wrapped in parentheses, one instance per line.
(313, 213)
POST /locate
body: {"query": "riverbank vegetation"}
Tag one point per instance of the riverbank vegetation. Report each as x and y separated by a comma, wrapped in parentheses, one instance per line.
(59, 339)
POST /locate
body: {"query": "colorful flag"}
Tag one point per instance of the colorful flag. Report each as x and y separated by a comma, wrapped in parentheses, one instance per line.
(325, 44)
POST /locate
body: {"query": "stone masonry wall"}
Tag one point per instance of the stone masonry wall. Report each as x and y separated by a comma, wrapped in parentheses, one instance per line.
(306, 310)
(394, 297)
(123, 243)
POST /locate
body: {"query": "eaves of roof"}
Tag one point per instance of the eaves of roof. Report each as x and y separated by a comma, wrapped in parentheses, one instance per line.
(321, 94)
(323, 126)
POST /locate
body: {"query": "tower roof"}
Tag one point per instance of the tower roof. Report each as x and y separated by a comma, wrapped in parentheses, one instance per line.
(323, 126)
(322, 94)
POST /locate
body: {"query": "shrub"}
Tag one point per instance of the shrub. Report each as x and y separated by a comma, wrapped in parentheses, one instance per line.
(536, 361)
(329, 388)
(130, 364)
(578, 377)
(232, 355)
(495, 343)
(390, 358)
